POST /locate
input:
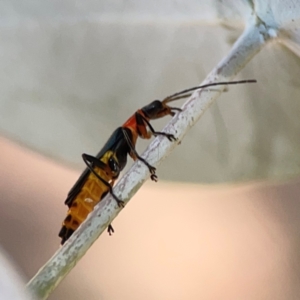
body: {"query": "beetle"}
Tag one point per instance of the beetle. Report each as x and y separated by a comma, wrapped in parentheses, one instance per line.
(103, 170)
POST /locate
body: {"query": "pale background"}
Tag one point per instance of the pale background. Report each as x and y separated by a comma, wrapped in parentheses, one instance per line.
(173, 241)
(71, 72)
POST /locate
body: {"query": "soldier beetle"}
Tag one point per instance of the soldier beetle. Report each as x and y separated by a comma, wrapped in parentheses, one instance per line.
(103, 170)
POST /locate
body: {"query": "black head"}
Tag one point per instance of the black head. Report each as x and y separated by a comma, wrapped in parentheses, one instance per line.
(153, 109)
(158, 109)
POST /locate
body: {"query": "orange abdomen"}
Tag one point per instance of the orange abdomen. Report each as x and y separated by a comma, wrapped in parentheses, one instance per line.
(91, 193)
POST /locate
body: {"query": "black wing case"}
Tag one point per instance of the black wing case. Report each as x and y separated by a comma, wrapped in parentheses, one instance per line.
(111, 144)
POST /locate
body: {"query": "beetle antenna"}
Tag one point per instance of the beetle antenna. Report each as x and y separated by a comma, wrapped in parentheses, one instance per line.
(180, 95)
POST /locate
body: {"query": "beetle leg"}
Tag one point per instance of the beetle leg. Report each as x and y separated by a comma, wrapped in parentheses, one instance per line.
(135, 155)
(169, 136)
(110, 229)
(90, 161)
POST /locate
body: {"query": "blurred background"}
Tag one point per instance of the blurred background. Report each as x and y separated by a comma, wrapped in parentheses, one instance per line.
(172, 241)
(72, 72)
